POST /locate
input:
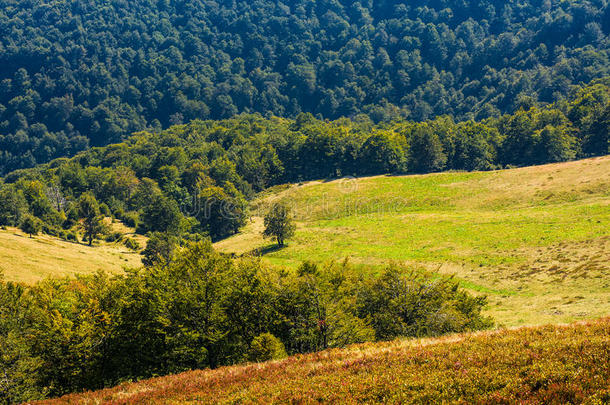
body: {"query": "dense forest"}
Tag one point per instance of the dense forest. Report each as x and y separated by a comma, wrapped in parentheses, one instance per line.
(79, 73)
(170, 116)
(194, 180)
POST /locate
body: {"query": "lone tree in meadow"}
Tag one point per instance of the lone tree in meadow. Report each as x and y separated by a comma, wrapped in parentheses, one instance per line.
(279, 223)
(92, 222)
(30, 225)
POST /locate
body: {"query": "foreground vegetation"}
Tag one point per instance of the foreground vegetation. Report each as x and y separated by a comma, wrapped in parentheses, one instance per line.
(543, 365)
(198, 308)
(79, 73)
(535, 239)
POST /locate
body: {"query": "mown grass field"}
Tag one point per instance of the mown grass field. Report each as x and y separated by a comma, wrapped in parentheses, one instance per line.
(541, 365)
(27, 260)
(536, 240)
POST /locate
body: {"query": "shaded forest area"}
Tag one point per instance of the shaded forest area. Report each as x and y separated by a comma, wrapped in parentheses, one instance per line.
(79, 73)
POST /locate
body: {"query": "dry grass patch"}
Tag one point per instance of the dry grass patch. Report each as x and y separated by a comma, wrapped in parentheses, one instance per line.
(28, 260)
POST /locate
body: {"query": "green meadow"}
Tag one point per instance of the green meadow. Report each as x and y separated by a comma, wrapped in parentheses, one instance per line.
(536, 240)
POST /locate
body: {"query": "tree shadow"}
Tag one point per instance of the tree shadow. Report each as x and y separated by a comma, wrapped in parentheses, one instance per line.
(264, 250)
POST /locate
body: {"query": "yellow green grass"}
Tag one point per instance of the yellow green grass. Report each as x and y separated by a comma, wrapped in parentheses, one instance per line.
(27, 260)
(536, 239)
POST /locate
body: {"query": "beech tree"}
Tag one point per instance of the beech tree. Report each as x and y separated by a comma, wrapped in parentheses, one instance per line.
(160, 215)
(279, 223)
(31, 225)
(12, 206)
(61, 92)
(92, 222)
(427, 153)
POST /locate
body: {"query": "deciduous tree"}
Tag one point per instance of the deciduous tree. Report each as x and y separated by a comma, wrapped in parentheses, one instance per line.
(92, 222)
(30, 225)
(279, 223)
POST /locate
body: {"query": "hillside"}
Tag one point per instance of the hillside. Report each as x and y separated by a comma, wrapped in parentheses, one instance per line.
(80, 73)
(551, 365)
(185, 180)
(28, 260)
(535, 239)
(313, 201)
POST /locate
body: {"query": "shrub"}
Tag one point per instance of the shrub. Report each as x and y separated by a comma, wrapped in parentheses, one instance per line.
(113, 237)
(119, 213)
(400, 304)
(131, 244)
(55, 218)
(71, 217)
(104, 210)
(131, 219)
(159, 248)
(50, 230)
(266, 347)
(30, 225)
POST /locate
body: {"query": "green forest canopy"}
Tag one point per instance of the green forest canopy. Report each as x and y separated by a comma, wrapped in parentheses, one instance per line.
(76, 73)
(196, 179)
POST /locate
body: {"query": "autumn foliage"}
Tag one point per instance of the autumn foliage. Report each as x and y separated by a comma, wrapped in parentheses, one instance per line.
(541, 365)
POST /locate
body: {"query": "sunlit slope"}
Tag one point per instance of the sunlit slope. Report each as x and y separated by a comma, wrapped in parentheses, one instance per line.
(29, 260)
(551, 364)
(535, 239)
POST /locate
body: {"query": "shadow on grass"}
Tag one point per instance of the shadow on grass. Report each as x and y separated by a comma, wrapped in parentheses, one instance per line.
(264, 250)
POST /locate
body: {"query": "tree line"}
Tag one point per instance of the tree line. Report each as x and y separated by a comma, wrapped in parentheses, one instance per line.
(78, 73)
(195, 180)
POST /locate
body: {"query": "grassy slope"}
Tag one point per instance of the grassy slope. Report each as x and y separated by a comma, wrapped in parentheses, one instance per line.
(552, 364)
(536, 239)
(28, 260)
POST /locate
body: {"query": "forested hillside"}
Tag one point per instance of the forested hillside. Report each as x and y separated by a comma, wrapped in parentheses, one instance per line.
(76, 73)
(200, 309)
(195, 179)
